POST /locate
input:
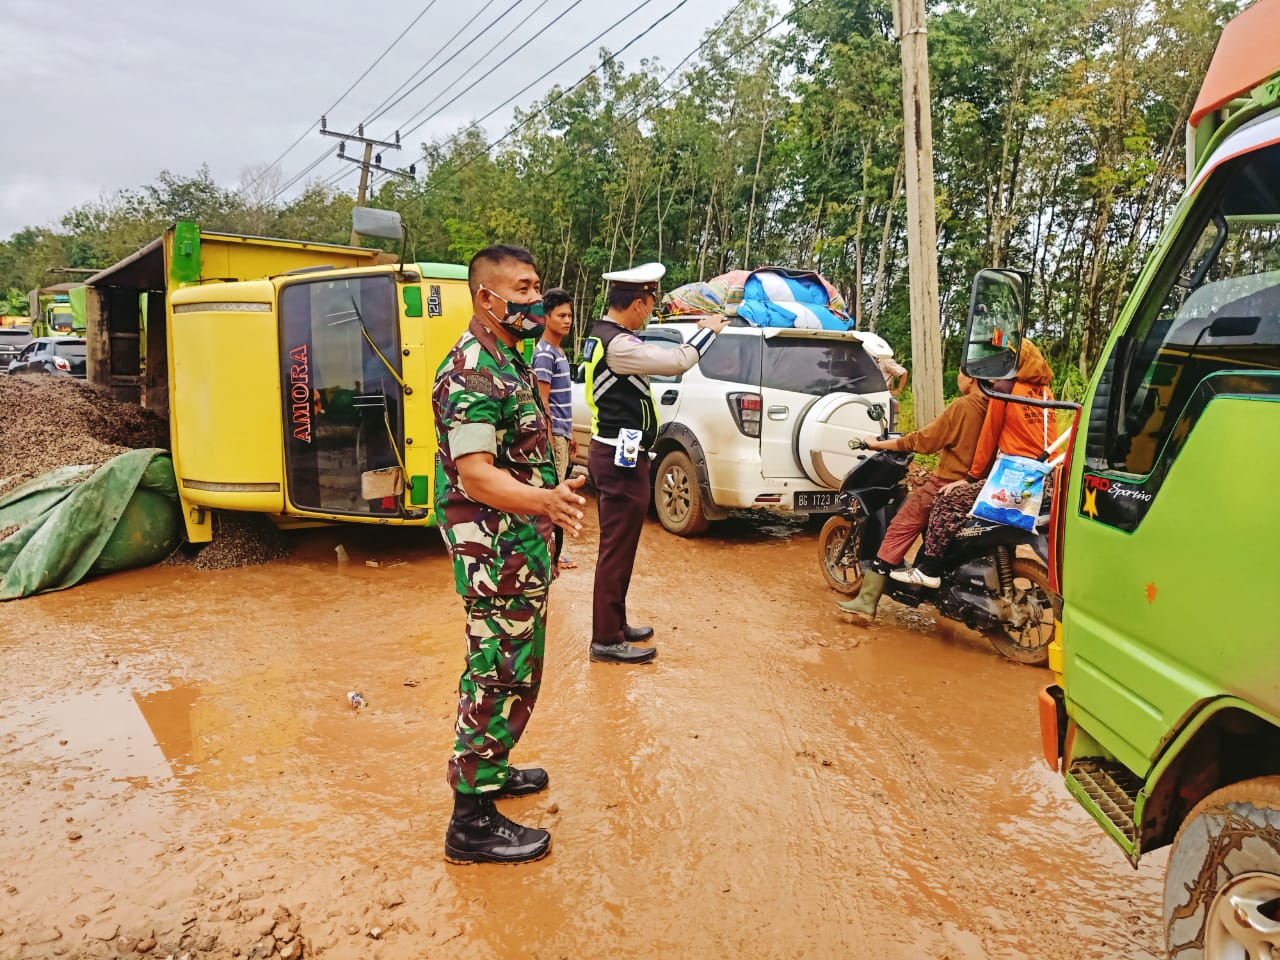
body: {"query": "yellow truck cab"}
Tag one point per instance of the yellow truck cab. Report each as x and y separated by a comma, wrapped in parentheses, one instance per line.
(307, 395)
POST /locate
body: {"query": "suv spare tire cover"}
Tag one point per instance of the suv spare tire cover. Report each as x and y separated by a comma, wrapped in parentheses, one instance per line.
(823, 434)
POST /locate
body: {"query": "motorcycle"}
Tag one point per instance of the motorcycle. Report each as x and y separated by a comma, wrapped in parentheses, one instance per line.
(985, 584)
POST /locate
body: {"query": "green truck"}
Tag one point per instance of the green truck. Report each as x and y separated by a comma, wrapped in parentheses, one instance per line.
(1165, 717)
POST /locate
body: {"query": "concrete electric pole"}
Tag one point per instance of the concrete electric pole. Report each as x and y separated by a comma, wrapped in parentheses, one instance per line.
(922, 227)
(368, 163)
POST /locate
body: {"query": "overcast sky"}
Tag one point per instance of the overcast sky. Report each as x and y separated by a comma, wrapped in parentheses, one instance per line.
(99, 95)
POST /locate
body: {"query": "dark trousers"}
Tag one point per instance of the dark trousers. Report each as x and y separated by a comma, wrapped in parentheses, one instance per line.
(622, 497)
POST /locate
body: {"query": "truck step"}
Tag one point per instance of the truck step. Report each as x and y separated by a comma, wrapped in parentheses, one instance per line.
(1113, 790)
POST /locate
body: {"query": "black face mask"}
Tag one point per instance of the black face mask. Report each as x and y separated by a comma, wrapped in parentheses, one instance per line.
(523, 321)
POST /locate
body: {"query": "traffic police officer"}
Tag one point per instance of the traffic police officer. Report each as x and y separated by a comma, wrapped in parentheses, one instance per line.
(496, 500)
(624, 425)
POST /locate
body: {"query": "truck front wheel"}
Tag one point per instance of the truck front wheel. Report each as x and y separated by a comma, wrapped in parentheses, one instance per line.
(1222, 886)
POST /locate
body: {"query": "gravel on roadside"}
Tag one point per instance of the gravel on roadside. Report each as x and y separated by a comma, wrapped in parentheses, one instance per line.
(47, 422)
(50, 421)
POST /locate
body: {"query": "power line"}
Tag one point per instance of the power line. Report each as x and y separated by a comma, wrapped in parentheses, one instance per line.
(644, 111)
(390, 101)
(387, 103)
(301, 174)
(381, 56)
(533, 83)
(431, 4)
(525, 89)
(483, 58)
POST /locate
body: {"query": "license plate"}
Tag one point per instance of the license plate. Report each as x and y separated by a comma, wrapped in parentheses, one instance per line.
(815, 501)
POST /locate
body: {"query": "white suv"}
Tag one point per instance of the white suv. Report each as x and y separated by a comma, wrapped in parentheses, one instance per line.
(765, 421)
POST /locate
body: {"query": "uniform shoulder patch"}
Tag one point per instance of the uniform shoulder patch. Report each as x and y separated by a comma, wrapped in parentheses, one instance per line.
(475, 382)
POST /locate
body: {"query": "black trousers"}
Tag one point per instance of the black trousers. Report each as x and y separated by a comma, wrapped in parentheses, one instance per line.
(622, 498)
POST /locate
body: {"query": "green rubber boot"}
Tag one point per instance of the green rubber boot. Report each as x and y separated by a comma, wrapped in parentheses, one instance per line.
(868, 598)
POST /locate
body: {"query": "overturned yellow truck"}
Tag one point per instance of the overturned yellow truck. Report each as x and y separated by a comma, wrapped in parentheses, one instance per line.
(297, 377)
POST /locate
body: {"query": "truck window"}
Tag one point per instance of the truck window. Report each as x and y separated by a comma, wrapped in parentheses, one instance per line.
(343, 409)
(1215, 310)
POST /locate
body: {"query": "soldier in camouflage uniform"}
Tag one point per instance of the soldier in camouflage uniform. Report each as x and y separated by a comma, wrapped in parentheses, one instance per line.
(496, 502)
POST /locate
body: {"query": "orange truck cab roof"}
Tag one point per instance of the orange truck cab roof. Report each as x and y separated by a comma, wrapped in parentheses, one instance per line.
(1246, 56)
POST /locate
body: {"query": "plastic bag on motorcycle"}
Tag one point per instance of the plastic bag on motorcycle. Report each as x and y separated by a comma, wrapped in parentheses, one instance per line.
(1013, 492)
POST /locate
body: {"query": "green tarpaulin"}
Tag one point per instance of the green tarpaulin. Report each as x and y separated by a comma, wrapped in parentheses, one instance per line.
(79, 521)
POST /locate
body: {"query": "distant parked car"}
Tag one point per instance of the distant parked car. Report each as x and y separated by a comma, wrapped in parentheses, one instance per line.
(65, 355)
(12, 340)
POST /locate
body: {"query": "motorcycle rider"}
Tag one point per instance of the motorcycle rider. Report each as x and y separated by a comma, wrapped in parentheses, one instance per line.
(1016, 429)
(953, 435)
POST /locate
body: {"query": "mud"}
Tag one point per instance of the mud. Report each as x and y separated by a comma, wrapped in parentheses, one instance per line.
(184, 775)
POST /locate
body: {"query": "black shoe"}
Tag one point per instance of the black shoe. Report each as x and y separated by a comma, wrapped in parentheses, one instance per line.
(621, 653)
(521, 783)
(478, 833)
(636, 634)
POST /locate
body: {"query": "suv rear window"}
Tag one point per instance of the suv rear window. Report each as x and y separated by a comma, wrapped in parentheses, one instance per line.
(73, 351)
(819, 366)
(732, 357)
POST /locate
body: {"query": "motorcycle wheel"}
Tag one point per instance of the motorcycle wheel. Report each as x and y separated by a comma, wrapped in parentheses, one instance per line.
(1030, 643)
(831, 541)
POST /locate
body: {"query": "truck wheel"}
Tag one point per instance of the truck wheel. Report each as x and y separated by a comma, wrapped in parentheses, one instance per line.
(831, 542)
(1038, 606)
(677, 500)
(1222, 885)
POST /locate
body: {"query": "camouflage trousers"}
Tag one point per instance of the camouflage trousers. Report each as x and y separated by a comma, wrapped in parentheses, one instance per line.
(506, 637)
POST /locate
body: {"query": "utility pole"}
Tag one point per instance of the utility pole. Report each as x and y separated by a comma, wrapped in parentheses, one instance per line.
(370, 162)
(922, 226)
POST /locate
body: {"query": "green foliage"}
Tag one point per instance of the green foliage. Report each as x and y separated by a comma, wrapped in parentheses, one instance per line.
(14, 303)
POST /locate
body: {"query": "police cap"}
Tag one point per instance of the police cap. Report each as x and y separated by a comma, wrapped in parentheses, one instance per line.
(644, 277)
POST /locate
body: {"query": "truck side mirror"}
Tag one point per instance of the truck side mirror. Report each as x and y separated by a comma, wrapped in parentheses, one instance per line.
(383, 224)
(997, 316)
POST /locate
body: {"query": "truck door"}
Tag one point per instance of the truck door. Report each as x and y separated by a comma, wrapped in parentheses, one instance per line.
(343, 409)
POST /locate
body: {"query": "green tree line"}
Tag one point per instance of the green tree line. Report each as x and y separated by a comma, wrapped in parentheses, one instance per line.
(1058, 129)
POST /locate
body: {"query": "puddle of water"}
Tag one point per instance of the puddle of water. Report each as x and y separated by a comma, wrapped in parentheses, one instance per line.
(120, 733)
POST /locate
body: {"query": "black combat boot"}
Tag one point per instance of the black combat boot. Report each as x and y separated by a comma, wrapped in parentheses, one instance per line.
(478, 833)
(522, 782)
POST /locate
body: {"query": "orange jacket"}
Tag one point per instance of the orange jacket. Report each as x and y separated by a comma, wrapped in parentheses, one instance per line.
(1015, 428)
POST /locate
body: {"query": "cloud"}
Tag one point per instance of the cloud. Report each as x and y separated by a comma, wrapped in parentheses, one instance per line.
(110, 94)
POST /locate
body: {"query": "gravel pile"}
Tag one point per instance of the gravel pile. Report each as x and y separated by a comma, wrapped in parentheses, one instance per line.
(48, 422)
(239, 540)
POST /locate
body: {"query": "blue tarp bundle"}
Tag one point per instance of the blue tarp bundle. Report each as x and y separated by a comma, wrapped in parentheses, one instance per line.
(769, 297)
(772, 298)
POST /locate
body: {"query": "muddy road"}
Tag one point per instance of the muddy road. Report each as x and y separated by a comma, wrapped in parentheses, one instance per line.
(182, 772)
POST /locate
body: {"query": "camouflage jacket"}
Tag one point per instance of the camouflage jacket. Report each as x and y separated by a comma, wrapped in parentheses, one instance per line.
(486, 400)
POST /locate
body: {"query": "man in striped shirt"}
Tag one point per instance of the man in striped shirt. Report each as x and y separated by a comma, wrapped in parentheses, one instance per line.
(551, 367)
